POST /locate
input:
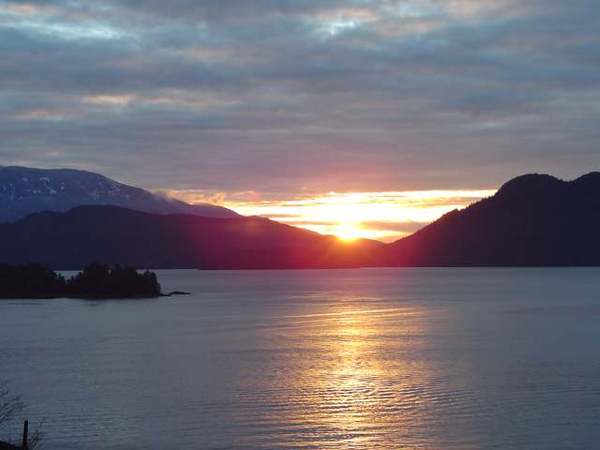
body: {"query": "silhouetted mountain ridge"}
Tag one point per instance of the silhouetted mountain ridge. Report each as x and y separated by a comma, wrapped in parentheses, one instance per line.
(531, 184)
(533, 220)
(114, 235)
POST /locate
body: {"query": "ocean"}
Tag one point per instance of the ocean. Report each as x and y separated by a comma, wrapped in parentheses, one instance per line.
(406, 358)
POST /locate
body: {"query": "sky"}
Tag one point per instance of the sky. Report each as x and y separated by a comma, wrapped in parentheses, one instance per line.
(362, 118)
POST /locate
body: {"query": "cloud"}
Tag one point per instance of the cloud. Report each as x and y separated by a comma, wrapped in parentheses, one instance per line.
(294, 96)
(376, 215)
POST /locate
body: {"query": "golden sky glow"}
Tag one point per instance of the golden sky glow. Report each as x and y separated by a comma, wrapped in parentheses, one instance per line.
(384, 216)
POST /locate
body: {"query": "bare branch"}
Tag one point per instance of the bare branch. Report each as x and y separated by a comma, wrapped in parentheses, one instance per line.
(9, 405)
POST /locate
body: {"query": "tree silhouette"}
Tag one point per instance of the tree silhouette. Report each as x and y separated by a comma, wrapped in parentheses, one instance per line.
(95, 281)
(102, 281)
(30, 281)
(10, 407)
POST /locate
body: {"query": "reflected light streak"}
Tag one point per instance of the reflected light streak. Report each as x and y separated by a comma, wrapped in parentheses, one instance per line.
(352, 393)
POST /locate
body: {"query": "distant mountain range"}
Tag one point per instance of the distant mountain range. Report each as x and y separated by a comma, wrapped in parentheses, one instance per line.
(533, 220)
(112, 235)
(25, 190)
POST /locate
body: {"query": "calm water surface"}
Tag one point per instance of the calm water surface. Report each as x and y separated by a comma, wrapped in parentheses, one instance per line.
(330, 359)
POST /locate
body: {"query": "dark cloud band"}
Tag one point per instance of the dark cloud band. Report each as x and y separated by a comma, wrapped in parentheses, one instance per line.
(302, 95)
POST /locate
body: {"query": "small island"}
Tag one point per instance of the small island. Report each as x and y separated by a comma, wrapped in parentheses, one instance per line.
(95, 281)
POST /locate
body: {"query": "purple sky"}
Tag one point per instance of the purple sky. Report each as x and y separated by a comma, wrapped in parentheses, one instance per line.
(288, 96)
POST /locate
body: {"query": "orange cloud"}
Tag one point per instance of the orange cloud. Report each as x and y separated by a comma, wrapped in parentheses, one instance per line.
(385, 216)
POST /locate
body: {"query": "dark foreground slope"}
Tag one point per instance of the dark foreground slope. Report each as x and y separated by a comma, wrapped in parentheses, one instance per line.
(533, 220)
(115, 235)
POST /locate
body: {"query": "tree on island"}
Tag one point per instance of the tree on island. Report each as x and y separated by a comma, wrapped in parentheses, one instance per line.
(95, 281)
(102, 281)
(30, 281)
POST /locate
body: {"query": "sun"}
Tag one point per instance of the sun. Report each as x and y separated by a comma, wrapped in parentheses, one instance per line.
(348, 232)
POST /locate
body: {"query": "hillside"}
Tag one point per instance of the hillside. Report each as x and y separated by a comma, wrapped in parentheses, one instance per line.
(115, 235)
(533, 220)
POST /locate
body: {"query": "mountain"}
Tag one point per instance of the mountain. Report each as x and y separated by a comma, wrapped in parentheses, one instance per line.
(26, 190)
(533, 220)
(107, 234)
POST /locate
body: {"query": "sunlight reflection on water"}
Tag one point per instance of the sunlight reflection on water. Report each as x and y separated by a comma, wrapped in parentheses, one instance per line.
(342, 359)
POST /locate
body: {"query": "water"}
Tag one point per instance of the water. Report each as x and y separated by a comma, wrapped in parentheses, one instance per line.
(330, 359)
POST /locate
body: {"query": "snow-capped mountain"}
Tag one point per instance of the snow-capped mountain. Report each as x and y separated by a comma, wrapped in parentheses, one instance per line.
(25, 190)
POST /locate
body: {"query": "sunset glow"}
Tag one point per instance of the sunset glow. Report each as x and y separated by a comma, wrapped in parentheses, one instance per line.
(384, 216)
(350, 231)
